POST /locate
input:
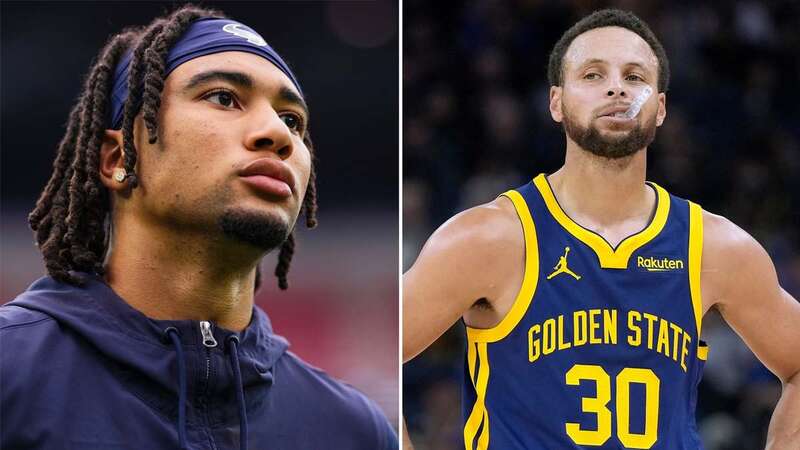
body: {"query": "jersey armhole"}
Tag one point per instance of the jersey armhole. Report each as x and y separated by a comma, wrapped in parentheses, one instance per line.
(695, 264)
(529, 279)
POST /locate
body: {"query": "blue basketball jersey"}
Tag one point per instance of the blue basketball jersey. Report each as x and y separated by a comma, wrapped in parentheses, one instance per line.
(601, 347)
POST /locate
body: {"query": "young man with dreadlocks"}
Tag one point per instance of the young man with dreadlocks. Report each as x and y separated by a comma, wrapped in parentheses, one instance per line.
(583, 291)
(186, 159)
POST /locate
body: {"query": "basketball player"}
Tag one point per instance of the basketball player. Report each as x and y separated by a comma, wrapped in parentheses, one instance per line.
(583, 291)
(186, 159)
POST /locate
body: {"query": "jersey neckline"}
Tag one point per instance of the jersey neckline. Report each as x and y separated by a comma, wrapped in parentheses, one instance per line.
(608, 256)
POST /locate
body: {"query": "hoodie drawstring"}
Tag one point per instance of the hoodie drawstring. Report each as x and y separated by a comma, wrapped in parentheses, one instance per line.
(172, 332)
(233, 351)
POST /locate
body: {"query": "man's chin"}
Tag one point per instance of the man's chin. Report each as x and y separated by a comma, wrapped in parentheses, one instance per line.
(614, 133)
(611, 151)
(611, 143)
(265, 231)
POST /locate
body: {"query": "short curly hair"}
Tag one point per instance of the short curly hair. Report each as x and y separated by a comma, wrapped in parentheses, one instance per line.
(607, 18)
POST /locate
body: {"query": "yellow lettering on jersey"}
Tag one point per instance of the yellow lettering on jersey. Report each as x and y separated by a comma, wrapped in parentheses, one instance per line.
(549, 337)
(650, 319)
(676, 333)
(591, 405)
(634, 339)
(561, 344)
(610, 328)
(685, 350)
(652, 386)
(600, 326)
(659, 265)
(579, 328)
(663, 338)
(533, 343)
(594, 325)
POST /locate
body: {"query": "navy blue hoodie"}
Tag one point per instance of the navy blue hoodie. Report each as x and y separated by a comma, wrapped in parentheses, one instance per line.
(81, 369)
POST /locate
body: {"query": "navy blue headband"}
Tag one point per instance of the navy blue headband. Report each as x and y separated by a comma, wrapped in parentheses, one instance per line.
(204, 37)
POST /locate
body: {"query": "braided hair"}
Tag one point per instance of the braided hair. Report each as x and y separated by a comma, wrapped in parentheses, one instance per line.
(71, 218)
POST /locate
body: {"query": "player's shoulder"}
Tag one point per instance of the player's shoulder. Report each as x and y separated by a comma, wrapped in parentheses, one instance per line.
(733, 261)
(476, 248)
(723, 239)
(27, 338)
(16, 317)
(498, 212)
(335, 401)
(485, 227)
(325, 388)
(31, 326)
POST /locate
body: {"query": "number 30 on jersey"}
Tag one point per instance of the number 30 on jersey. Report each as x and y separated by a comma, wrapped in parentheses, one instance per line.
(598, 406)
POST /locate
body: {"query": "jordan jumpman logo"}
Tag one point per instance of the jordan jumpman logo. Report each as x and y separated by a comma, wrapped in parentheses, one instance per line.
(561, 267)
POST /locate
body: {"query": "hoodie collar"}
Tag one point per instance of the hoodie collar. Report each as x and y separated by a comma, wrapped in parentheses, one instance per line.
(101, 316)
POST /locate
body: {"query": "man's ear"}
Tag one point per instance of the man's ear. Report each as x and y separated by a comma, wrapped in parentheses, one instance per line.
(112, 161)
(555, 103)
(662, 109)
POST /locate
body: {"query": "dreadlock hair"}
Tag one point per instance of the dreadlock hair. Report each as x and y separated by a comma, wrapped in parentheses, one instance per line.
(71, 217)
(607, 18)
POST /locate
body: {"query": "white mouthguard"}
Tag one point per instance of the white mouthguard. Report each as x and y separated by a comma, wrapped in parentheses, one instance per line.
(636, 106)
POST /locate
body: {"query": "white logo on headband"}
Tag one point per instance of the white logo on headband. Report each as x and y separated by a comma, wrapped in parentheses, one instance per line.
(253, 38)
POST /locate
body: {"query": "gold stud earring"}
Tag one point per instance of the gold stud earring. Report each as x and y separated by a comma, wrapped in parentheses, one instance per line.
(119, 175)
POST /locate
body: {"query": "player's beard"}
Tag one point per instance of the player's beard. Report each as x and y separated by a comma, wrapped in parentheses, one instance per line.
(263, 231)
(590, 139)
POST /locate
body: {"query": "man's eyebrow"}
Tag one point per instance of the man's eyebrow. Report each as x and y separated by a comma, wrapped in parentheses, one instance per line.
(603, 61)
(639, 65)
(288, 95)
(237, 78)
(594, 61)
(245, 81)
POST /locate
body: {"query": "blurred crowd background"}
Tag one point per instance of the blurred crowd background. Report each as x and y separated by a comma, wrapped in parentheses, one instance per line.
(476, 123)
(341, 310)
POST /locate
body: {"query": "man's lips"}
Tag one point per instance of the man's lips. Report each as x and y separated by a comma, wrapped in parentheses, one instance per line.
(611, 111)
(269, 175)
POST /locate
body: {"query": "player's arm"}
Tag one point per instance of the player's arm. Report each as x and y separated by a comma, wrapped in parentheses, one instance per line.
(747, 294)
(476, 255)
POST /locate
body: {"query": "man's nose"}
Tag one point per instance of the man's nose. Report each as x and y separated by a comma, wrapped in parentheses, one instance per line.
(616, 89)
(269, 132)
